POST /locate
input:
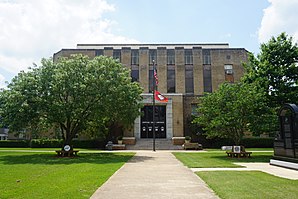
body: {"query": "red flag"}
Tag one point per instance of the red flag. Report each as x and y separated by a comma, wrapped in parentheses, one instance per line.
(158, 96)
(155, 76)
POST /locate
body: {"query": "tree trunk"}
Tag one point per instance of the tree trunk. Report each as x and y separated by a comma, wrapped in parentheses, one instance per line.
(67, 139)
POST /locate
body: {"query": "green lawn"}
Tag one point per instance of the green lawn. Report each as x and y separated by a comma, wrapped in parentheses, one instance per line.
(42, 175)
(218, 159)
(249, 185)
(239, 184)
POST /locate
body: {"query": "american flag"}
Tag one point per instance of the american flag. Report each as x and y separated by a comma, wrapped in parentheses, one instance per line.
(155, 76)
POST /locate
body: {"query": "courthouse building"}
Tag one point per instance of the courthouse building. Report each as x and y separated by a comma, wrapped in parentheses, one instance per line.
(185, 72)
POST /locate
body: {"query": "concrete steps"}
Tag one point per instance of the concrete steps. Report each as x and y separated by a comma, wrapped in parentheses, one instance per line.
(147, 144)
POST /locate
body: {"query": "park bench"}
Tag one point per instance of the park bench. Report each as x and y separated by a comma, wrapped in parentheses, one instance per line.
(63, 153)
(115, 147)
(195, 146)
(238, 152)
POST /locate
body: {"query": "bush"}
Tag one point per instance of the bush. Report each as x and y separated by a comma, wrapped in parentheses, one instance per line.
(14, 143)
(88, 144)
(56, 143)
(257, 142)
(46, 143)
(53, 143)
(254, 142)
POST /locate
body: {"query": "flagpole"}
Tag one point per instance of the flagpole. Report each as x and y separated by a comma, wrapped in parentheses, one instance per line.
(153, 102)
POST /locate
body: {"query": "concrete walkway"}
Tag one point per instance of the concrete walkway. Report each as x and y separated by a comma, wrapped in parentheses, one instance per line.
(264, 167)
(156, 175)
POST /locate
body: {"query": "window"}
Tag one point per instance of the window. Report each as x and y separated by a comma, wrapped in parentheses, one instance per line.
(207, 79)
(171, 57)
(99, 52)
(206, 57)
(188, 57)
(152, 56)
(117, 55)
(171, 82)
(134, 57)
(189, 85)
(229, 77)
(134, 73)
(194, 108)
(150, 79)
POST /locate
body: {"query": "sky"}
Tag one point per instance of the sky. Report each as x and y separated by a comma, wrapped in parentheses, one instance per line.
(34, 29)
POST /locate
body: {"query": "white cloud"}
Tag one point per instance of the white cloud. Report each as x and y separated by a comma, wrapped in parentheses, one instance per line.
(33, 29)
(2, 81)
(280, 16)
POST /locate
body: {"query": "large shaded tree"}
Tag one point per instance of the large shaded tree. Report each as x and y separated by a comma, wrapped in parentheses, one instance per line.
(275, 69)
(71, 93)
(234, 109)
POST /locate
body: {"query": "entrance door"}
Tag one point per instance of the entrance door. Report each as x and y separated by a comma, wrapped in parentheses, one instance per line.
(147, 122)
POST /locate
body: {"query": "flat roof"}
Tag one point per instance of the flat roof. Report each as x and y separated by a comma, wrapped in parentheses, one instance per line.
(153, 46)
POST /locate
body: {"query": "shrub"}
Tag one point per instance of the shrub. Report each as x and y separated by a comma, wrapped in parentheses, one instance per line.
(187, 138)
(255, 142)
(46, 143)
(91, 144)
(14, 143)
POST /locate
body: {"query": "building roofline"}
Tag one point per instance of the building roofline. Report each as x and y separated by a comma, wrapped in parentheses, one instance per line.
(154, 46)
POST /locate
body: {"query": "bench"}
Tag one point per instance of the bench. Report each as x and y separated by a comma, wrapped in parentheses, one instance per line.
(236, 153)
(195, 146)
(71, 153)
(116, 147)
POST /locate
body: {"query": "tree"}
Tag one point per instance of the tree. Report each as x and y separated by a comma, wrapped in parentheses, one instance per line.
(275, 69)
(73, 94)
(234, 109)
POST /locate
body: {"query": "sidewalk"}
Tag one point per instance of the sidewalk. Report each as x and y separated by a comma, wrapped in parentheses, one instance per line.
(156, 175)
(264, 167)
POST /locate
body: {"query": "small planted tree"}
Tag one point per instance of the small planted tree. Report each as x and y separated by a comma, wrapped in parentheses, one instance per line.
(72, 93)
(234, 109)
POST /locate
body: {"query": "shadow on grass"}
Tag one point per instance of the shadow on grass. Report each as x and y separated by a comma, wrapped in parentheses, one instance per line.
(50, 159)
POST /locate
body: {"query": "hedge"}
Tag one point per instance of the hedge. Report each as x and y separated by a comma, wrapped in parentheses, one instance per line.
(100, 144)
(46, 143)
(254, 142)
(14, 143)
(52, 143)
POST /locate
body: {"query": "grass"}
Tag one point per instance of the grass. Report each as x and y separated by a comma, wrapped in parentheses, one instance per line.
(239, 184)
(218, 159)
(249, 185)
(30, 174)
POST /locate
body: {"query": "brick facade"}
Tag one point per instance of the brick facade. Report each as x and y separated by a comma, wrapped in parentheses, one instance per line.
(211, 58)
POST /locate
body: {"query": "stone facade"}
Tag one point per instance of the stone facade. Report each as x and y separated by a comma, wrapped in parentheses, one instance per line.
(197, 68)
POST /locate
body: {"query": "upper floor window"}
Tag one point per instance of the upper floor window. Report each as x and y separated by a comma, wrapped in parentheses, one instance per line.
(152, 56)
(206, 57)
(229, 74)
(171, 57)
(99, 52)
(207, 79)
(189, 84)
(150, 85)
(171, 79)
(134, 57)
(117, 54)
(188, 58)
(134, 73)
(228, 69)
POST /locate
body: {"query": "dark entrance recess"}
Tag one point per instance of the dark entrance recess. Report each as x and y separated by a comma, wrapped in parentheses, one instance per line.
(147, 122)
